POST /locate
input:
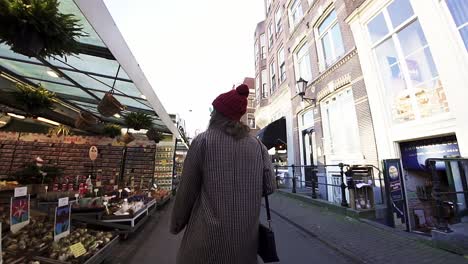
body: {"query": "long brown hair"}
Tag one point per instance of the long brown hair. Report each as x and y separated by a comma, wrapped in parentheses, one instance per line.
(235, 129)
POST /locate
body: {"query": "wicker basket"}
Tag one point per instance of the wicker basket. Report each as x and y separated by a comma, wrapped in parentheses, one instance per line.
(85, 120)
(109, 106)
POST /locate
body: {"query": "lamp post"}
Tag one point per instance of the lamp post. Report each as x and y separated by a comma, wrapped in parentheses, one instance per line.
(301, 90)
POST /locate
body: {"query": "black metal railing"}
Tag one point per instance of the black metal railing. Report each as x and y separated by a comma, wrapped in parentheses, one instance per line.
(316, 183)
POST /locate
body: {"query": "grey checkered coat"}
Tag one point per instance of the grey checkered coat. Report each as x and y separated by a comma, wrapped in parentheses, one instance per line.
(219, 199)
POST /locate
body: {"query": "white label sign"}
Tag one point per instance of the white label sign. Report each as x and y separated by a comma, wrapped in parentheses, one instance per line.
(127, 190)
(63, 202)
(21, 191)
(93, 153)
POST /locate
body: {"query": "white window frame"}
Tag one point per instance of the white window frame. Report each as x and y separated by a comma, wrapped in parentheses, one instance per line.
(295, 6)
(264, 88)
(456, 28)
(392, 36)
(320, 36)
(330, 103)
(256, 52)
(281, 65)
(257, 88)
(271, 35)
(298, 60)
(273, 84)
(262, 46)
(279, 21)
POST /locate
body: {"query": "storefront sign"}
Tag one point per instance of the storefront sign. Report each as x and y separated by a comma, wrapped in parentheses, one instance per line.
(62, 220)
(394, 186)
(93, 153)
(19, 213)
(415, 154)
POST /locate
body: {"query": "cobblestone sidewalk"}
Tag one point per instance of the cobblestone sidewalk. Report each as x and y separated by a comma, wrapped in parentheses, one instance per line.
(361, 241)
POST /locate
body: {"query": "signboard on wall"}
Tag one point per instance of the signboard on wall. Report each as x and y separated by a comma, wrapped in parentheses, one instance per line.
(414, 154)
(395, 192)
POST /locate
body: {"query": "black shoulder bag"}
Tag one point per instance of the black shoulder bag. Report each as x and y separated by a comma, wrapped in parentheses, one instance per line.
(266, 237)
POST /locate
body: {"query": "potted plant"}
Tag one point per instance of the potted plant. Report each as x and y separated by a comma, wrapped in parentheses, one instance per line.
(154, 134)
(138, 120)
(34, 100)
(37, 28)
(112, 130)
(109, 106)
(85, 120)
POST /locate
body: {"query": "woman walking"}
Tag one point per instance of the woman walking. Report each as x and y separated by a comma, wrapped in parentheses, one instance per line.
(223, 181)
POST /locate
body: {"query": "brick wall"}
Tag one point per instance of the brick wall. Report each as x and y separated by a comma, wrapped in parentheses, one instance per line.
(71, 155)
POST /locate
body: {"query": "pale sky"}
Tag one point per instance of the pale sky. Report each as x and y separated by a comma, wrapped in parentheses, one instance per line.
(190, 51)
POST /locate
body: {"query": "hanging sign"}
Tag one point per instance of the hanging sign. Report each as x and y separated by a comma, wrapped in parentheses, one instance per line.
(394, 186)
(19, 209)
(93, 153)
(62, 219)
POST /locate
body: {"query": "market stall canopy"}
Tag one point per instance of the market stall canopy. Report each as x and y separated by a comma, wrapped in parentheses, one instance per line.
(274, 134)
(104, 63)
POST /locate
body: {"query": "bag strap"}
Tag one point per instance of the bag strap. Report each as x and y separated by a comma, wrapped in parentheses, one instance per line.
(267, 204)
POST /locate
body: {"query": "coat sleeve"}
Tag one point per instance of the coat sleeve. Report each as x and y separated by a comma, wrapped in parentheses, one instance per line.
(269, 175)
(189, 187)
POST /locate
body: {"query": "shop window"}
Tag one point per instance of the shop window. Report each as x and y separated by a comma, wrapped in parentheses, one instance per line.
(340, 126)
(279, 25)
(330, 42)
(270, 36)
(262, 46)
(264, 84)
(272, 77)
(295, 13)
(281, 65)
(302, 64)
(407, 69)
(459, 11)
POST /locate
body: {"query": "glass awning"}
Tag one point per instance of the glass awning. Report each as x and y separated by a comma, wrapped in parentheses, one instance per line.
(81, 80)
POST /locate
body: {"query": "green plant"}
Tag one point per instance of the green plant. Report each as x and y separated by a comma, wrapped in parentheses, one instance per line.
(60, 130)
(138, 120)
(154, 134)
(31, 174)
(34, 100)
(112, 130)
(40, 21)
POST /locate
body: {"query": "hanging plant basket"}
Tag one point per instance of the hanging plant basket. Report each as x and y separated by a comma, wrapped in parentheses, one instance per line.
(127, 138)
(85, 120)
(138, 120)
(34, 100)
(155, 135)
(37, 28)
(109, 105)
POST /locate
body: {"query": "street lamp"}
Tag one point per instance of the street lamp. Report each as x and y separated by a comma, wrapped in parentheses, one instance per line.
(301, 91)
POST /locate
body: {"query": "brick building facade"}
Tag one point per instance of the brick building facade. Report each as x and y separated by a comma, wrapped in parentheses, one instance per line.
(310, 39)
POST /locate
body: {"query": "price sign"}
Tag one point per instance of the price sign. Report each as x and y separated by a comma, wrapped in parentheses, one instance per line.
(93, 153)
(77, 250)
(98, 184)
(63, 202)
(21, 191)
(127, 190)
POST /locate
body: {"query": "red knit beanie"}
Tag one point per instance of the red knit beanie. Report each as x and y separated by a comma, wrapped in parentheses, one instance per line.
(233, 104)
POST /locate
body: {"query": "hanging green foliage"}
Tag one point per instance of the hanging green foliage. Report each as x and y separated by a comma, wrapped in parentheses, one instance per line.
(112, 130)
(34, 100)
(37, 28)
(138, 120)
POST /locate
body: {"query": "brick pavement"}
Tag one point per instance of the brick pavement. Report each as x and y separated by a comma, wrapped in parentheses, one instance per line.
(363, 242)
